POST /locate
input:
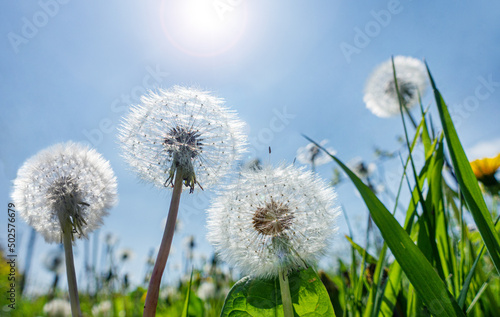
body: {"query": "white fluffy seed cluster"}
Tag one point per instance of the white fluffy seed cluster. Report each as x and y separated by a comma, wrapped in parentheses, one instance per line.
(57, 308)
(273, 219)
(182, 129)
(312, 155)
(67, 182)
(380, 94)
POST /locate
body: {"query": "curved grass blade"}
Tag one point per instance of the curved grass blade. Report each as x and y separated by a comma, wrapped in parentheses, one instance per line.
(419, 271)
(369, 258)
(185, 310)
(469, 186)
(465, 288)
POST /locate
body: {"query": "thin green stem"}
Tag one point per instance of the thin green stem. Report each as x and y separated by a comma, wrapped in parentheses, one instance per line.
(70, 272)
(286, 298)
(166, 242)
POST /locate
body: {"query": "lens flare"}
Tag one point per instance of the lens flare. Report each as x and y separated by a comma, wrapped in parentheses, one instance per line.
(203, 27)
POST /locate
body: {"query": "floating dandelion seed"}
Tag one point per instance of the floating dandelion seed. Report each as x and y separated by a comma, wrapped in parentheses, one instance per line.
(380, 91)
(64, 191)
(273, 220)
(179, 137)
(67, 184)
(182, 130)
(312, 155)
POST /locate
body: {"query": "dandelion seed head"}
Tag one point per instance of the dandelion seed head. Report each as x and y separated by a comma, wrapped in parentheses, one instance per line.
(125, 255)
(104, 308)
(311, 154)
(54, 261)
(57, 308)
(273, 219)
(182, 130)
(65, 184)
(207, 290)
(380, 94)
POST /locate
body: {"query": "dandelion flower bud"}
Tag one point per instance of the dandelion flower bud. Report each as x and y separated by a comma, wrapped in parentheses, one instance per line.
(65, 185)
(181, 130)
(272, 220)
(381, 96)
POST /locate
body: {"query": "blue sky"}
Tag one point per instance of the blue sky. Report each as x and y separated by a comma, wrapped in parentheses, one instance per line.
(70, 69)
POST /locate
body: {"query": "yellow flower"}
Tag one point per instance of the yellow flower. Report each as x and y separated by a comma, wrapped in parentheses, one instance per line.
(485, 170)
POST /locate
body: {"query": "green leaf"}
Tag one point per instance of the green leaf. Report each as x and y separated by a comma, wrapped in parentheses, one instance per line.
(262, 297)
(419, 271)
(469, 186)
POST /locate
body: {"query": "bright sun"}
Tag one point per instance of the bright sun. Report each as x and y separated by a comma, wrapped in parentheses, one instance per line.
(203, 27)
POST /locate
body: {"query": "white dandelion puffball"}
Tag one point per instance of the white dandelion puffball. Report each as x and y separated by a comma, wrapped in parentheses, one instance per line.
(311, 154)
(65, 184)
(273, 219)
(103, 309)
(182, 130)
(125, 255)
(54, 261)
(207, 290)
(57, 308)
(380, 93)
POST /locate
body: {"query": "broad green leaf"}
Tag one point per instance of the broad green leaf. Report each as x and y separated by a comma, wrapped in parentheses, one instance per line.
(419, 271)
(262, 297)
(469, 186)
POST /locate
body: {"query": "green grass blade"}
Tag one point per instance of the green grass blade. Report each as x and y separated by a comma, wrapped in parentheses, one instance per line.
(185, 310)
(478, 295)
(421, 274)
(468, 279)
(369, 258)
(373, 303)
(469, 186)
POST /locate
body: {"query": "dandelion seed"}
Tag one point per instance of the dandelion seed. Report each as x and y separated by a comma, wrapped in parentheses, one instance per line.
(380, 93)
(284, 227)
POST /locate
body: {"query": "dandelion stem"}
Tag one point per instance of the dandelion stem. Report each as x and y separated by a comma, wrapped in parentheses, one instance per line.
(70, 271)
(286, 298)
(166, 242)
